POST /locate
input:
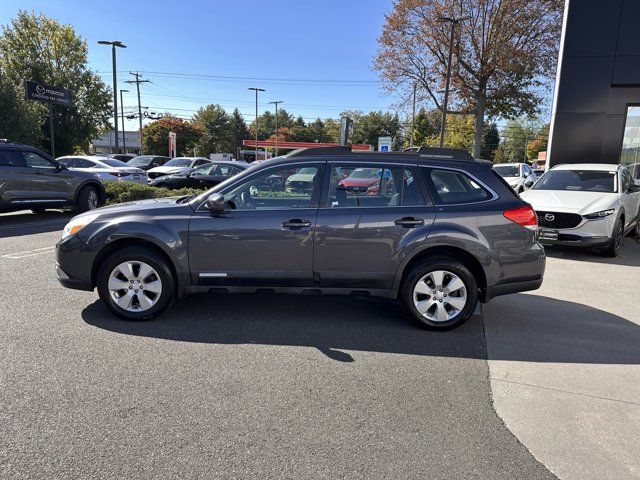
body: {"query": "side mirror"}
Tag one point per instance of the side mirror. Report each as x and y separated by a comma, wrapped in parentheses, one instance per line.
(528, 182)
(60, 166)
(633, 188)
(215, 203)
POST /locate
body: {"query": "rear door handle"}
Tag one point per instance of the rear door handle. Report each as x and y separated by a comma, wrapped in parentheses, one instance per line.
(409, 222)
(296, 223)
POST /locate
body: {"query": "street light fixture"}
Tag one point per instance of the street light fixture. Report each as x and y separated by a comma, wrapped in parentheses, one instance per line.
(453, 21)
(276, 102)
(114, 44)
(256, 126)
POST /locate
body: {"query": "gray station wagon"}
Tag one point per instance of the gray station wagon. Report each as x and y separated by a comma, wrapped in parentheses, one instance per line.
(434, 229)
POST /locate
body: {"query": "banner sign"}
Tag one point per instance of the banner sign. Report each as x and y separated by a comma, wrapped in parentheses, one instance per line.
(172, 144)
(42, 92)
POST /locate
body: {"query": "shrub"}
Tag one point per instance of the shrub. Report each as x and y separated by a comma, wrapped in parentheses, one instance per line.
(120, 192)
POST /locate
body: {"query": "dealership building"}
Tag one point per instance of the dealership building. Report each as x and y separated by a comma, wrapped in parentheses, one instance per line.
(128, 142)
(596, 108)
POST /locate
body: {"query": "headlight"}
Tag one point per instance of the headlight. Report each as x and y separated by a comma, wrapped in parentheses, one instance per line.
(77, 224)
(602, 214)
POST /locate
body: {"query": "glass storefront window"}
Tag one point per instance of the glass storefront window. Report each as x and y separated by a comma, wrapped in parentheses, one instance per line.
(630, 155)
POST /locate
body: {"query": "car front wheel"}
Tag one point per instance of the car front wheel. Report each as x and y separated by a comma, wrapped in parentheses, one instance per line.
(136, 284)
(440, 293)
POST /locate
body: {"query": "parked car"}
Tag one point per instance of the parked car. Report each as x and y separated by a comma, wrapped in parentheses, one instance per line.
(301, 181)
(177, 165)
(450, 234)
(518, 175)
(367, 180)
(105, 168)
(538, 171)
(32, 179)
(586, 205)
(147, 162)
(205, 176)
(123, 157)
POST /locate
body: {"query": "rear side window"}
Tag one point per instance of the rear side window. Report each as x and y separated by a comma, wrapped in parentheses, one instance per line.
(373, 186)
(11, 158)
(453, 187)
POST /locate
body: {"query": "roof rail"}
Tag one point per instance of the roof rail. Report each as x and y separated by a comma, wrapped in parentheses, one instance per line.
(445, 153)
(306, 152)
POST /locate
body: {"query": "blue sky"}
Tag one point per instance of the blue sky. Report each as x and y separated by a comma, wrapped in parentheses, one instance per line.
(324, 50)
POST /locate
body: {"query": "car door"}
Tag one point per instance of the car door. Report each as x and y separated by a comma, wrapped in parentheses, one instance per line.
(264, 237)
(369, 219)
(14, 179)
(630, 198)
(50, 183)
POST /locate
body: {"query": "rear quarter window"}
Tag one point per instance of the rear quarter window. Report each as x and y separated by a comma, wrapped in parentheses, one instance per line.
(450, 187)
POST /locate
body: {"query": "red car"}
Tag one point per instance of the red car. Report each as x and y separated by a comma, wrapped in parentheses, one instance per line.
(367, 180)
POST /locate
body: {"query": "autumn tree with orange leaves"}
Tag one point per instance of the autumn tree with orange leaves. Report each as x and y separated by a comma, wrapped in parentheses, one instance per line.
(504, 54)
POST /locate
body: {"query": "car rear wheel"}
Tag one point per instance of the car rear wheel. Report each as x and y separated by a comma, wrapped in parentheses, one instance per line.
(440, 293)
(88, 199)
(614, 246)
(136, 284)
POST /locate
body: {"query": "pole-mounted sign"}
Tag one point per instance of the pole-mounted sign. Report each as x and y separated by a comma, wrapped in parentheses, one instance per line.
(172, 144)
(41, 92)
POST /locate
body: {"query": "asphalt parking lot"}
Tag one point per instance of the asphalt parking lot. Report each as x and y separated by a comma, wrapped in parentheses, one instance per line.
(275, 386)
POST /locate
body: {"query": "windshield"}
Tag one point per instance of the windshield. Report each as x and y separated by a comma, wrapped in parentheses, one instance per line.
(140, 161)
(203, 170)
(578, 180)
(507, 170)
(365, 173)
(179, 162)
(113, 163)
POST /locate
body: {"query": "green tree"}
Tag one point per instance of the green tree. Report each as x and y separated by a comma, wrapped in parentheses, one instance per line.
(38, 48)
(156, 136)
(369, 126)
(490, 141)
(427, 126)
(20, 119)
(215, 123)
(514, 138)
(238, 130)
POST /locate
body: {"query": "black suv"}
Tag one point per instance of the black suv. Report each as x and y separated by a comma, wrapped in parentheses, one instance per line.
(435, 229)
(31, 179)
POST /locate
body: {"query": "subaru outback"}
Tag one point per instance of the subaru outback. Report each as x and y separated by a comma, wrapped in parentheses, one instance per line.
(439, 231)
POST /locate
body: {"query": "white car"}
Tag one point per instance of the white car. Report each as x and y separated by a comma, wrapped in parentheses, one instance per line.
(177, 166)
(591, 205)
(519, 176)
(104, 167)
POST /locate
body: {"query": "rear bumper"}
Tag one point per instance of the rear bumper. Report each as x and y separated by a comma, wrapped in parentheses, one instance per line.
(512, 287)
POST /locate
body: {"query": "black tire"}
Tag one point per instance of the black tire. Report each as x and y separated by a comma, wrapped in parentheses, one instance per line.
(139, 254)
(88, 199)
(635, 231)
(430, 265)
(613, 249)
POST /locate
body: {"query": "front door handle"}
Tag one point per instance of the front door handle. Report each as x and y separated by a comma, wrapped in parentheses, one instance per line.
(409, 222)
(296, 223)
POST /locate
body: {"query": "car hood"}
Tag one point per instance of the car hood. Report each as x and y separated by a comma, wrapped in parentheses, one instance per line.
(513, 180)
(139, 206)
(569, 201)
(165, 169)
(359, 182)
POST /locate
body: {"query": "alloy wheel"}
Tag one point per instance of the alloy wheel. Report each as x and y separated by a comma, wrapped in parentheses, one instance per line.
(440, 295)
(135, 286)
(92, 200)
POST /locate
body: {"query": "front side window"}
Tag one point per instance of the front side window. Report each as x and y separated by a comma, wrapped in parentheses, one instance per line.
(578, 180)
(274, 188)
(373, 186)
(202, 170)
(453, 187)
(226, 170)
(35, 160)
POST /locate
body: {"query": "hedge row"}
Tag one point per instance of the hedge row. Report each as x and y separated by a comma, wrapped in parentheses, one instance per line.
(120, 192)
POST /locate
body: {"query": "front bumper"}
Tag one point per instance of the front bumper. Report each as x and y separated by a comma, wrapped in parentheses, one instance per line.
(74, 263)
(73, 283)
(590, 233)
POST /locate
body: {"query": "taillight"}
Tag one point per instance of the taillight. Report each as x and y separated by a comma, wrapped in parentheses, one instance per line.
(525, 216)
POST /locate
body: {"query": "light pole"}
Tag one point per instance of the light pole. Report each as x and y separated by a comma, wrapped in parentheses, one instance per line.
(453, 21)
(256, 125)
(276, 102)
(124, 142)
(114, 44)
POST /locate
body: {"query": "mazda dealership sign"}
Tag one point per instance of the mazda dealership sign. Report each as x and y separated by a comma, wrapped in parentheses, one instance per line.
(42, 92)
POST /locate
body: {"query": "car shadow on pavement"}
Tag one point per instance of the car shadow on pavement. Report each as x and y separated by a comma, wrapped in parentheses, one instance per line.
(28, 223)
(539, 329)
(535, 328)
(629, 254)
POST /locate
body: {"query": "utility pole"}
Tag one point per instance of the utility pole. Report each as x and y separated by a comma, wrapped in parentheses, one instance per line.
(114, 44)
(256, 125)
(277, 132)
(413, 116)
(138, 81)
(445, 104)
(124, 141)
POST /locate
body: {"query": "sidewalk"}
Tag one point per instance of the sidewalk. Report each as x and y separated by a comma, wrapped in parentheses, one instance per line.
(565, 364)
